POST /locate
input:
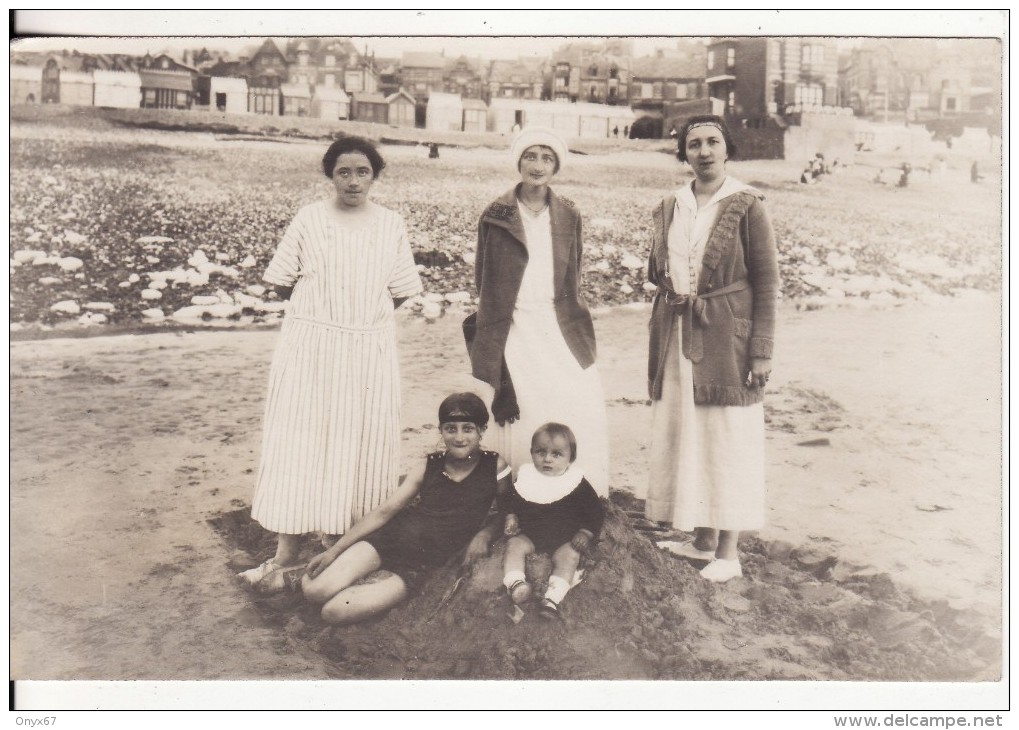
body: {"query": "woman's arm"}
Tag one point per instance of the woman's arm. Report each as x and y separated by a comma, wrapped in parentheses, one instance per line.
(372, 521)
(762, 270)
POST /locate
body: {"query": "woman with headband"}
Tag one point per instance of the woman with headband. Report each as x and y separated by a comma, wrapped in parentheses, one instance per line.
(534, 341)
(714, 261)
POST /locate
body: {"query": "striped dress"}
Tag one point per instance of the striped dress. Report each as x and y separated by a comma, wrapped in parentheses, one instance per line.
(330, 444)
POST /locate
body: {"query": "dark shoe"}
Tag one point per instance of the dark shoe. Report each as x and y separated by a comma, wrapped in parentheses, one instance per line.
(550, 610)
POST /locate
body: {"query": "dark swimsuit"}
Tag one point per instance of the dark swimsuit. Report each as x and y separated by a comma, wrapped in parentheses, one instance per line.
(443, 520)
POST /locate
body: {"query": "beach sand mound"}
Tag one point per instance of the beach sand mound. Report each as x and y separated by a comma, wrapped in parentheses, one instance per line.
(799, 613)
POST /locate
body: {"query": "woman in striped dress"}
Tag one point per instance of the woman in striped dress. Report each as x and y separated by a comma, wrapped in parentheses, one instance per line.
(330, 445)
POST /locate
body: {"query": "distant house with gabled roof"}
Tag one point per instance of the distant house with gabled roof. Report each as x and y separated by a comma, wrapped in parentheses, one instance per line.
(421, 74)
(520, 79)
(665, 85)
(465, 77)
(396, 109)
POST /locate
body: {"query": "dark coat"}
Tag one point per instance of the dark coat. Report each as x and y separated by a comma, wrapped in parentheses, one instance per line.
(732, 317)
(501, 258)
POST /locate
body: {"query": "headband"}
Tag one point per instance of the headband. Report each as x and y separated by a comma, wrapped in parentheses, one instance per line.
(716, 125)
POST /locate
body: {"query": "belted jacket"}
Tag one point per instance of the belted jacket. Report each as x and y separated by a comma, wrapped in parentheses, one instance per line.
(731, 317)
(501, 258)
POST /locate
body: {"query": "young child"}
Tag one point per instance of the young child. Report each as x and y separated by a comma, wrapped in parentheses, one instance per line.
(457, 487)
(551, 508)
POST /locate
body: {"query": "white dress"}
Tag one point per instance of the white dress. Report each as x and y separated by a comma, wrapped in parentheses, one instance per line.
(707, 461)
(330, 445)
(550, 384)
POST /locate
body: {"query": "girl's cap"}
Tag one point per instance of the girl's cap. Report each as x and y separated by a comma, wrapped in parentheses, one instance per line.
(543, 136)
(463, 407)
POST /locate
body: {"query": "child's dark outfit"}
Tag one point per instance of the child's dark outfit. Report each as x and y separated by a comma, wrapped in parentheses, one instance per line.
(568, 503)
(445, 518)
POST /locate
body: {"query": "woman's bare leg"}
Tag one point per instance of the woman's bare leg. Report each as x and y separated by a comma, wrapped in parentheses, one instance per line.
(361, 602)
(352, 565)
(287, 549)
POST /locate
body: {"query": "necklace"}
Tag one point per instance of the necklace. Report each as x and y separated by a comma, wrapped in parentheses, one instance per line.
(533, 210)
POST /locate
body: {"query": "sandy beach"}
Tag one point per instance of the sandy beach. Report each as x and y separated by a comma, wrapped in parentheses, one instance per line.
(884, 447)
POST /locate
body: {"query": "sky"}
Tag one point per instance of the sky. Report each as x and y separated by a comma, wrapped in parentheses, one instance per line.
(464, 31)
(385, 47)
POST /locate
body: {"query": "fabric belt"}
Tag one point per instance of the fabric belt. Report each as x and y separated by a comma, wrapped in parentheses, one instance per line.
(366, 330)
(693, 339)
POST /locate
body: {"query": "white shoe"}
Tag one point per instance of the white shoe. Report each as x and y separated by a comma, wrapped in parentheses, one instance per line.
(685, 550)
(719, 571)
(254, 575)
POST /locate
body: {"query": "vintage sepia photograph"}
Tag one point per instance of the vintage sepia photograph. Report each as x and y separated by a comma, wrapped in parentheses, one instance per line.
(669, 354)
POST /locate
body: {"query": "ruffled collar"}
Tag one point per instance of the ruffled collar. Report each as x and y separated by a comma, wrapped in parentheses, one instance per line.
(730, 186)
(536, 487)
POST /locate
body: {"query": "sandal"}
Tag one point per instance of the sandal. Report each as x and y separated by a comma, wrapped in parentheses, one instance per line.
(282, 580)
(254, 575)
(520, 592)
(686, 550)
(550, 610)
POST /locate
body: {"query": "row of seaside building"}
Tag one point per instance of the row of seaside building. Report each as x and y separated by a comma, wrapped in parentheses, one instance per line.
(159, 89)
(773, 90)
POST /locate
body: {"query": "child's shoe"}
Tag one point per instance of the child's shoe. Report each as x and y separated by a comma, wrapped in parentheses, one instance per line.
(550, 610)
(719, 571)
(520, 592)
(282, 579)
(254, 575)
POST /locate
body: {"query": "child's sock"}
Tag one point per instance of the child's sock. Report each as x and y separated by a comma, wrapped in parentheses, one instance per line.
(557, 589)
(512, 576)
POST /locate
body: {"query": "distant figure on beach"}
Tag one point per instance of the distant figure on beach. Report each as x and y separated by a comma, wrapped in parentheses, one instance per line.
(455, 488)
(974, 173)
(552, 509)
(615, 131)
(331, 438)
(906, 170)
(626, 131)
(714, 260)
(534, 342)
(433, 151)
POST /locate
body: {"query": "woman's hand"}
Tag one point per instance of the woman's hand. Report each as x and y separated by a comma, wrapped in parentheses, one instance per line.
(760, 371)
(504, 407)
(320, 562)
(512, 526)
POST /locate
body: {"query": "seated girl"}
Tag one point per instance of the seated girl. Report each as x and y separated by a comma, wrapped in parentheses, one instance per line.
(457, 487)
(552, 508)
